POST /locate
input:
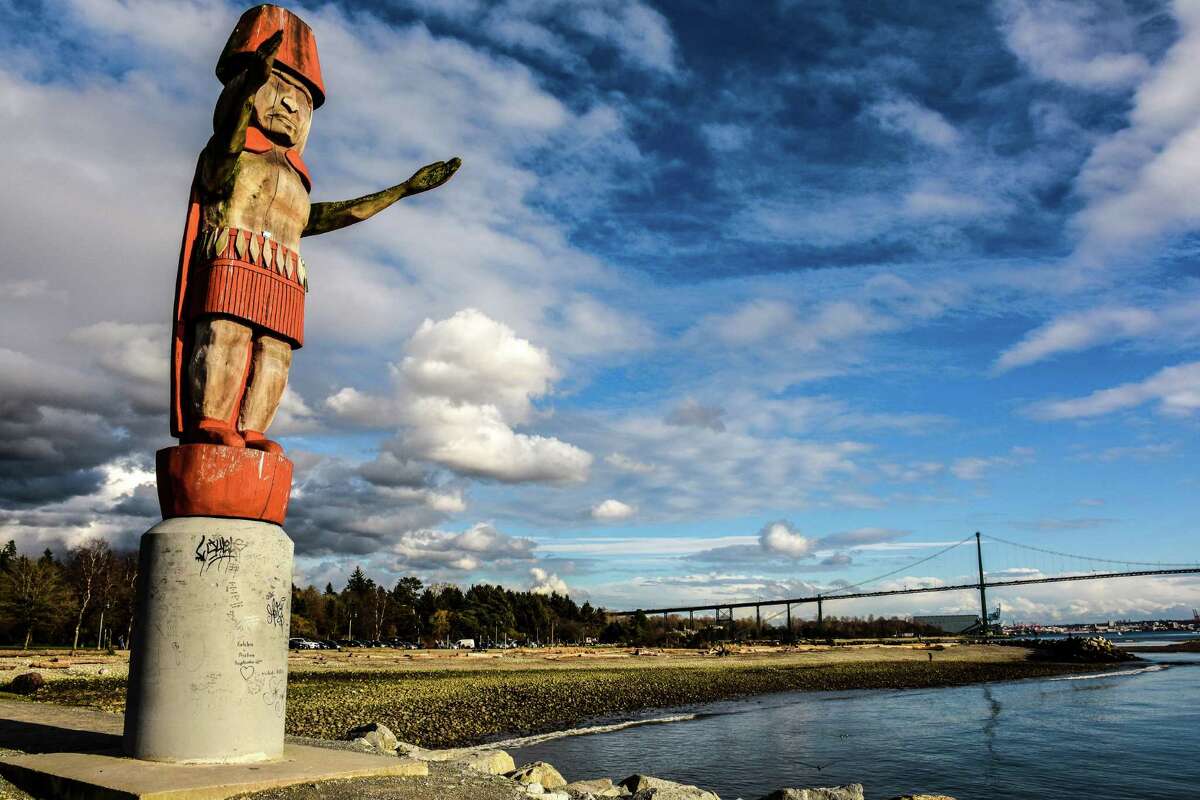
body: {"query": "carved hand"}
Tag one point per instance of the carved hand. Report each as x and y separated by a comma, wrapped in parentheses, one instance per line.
(258, 67)
(432, 175)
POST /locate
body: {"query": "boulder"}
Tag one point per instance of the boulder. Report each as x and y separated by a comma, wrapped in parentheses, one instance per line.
(376, 736)
(492, 762)
(851, 791)
(597, 787)
(534, 789)
(645, 787)
(682, 792)
(539, 772)
(27, 683)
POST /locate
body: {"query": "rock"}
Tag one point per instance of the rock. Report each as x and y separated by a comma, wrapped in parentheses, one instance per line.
(645, 787)
(412, 751)
(683, 792)
(852, 791)
(410, 767)
(534, 788)
(27, 683)
(488, 760)
(539, 772)
(376, 736)
(597, 787)
(492, 762)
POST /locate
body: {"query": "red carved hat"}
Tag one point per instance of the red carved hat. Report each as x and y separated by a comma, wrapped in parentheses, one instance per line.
(297, 53)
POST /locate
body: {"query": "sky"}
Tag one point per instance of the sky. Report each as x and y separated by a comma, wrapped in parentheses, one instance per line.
(728, 301)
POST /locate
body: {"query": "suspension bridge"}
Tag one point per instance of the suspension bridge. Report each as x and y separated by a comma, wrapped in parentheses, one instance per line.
(1026, 565)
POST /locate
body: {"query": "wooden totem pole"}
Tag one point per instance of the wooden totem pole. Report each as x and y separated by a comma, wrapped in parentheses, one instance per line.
(208, 671)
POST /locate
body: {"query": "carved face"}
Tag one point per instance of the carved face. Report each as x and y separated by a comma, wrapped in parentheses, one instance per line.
(283, 108)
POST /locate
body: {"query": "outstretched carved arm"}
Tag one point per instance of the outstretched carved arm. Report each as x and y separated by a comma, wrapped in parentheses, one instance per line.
(232, 116)
(325, 217)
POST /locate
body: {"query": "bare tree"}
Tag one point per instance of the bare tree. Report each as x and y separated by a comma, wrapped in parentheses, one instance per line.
(34, 596)
(381, 604)
(128, 579)
(89, 568)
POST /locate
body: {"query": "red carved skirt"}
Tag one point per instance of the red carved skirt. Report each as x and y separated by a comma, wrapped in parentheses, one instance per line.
(250, 277)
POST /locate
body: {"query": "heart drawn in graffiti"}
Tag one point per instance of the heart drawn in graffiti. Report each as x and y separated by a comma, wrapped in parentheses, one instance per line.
(247, 672)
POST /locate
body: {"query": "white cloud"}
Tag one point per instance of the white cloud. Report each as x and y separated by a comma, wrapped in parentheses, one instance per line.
(726, 137)
(474, 360)
(912, 471)
(544, 582)
(693, 414)
(1076, 332)
(934, 199)
(1137, 452)
(1138, 182)
(974, 468)
(905, 115)
(781, 538)
(462, 386)
(1175, 322)
(612, 509)
(1087, 45)
(479, 545)
(1175, 389)
(626, 464)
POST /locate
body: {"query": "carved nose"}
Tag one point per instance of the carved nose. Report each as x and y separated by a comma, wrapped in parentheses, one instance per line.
(290, 104)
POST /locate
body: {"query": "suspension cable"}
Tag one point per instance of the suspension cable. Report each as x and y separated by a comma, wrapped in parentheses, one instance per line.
(905, 568)
(1089, 558)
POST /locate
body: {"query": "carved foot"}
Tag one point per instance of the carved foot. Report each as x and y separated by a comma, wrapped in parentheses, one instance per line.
(216, 431)
(258, 441)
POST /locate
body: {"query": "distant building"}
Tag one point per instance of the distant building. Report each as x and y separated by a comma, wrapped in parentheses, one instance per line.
(949, 623)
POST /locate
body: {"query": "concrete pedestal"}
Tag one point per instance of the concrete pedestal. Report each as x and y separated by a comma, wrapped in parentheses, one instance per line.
(208, 668)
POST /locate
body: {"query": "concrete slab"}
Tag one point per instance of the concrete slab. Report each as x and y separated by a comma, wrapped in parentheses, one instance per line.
(113, 776)
(75, 754)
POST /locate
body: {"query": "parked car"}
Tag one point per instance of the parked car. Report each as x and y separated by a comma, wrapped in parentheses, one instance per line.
(300, 643)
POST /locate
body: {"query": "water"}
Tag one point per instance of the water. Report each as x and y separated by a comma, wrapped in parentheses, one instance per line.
(1133, 734)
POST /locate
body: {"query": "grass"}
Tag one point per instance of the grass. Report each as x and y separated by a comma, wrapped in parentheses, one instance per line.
(447, 708)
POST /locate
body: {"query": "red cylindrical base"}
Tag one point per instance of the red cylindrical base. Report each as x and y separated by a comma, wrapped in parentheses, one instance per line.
(210, 480)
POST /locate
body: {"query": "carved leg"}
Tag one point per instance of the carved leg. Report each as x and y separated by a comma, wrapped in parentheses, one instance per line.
(268, 378)
(217, 374)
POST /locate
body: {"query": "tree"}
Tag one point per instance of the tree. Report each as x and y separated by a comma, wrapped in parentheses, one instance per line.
(7, 555)
(440, 623)
(127, 573)
(380, 610)
(34, 596)
(359, 584)
(89, 569)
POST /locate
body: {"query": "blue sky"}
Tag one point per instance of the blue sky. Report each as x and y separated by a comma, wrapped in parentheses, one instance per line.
(728, 300)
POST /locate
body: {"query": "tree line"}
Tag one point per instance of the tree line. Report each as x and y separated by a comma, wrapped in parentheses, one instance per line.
(417, 613)
(85, 598)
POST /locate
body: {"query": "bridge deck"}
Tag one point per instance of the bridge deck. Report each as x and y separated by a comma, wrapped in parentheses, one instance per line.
(822, 598)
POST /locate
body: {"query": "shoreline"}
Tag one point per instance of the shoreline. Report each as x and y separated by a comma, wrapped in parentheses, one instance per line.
(439, 708)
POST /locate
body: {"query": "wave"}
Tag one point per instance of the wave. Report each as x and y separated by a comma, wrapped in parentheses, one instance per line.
(1124, 672)
(527, 741)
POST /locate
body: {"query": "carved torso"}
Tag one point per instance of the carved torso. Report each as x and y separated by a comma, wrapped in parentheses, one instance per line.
(266, 194)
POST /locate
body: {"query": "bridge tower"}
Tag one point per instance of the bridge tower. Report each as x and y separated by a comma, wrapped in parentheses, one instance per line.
(983, 612)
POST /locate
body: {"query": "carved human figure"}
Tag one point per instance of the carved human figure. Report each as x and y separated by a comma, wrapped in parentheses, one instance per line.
(239, 310)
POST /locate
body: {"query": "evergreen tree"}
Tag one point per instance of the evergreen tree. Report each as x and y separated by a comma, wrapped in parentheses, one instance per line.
(34, 596)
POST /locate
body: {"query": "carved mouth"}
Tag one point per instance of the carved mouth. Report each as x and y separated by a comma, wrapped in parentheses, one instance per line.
(283, 118)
